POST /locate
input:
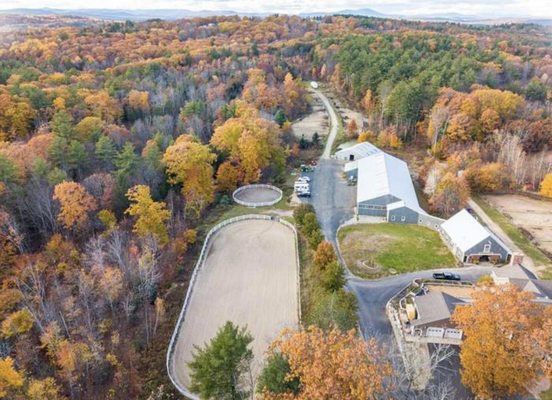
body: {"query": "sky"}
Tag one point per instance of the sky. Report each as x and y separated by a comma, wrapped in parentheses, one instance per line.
(480, 8)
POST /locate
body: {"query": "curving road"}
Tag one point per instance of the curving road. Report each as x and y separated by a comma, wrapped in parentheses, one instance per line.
(334, 201)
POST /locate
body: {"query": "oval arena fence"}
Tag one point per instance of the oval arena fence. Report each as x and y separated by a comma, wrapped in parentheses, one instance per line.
(199, 265)
(257, 187)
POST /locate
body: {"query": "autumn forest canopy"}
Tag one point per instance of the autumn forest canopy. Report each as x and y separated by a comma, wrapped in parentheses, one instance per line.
(117, 141)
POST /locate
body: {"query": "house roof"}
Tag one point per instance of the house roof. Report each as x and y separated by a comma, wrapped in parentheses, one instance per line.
(515, 271)
(525, 280)
(465, 232)
(359, 150)
(434, 307)
(382, 174)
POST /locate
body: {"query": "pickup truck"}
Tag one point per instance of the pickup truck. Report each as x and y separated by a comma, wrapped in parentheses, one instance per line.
(447, 276)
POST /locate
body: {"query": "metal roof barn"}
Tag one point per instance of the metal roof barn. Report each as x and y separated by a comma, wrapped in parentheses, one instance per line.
(383, 175)
(465, 231)
(356, 152)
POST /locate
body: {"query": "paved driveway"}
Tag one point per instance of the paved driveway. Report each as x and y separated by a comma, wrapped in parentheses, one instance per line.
(334, 201)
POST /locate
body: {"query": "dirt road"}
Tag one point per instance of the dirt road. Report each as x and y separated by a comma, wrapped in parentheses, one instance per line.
(333, 123)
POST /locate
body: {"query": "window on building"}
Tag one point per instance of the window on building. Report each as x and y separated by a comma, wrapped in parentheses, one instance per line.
(403, 218)
(392, 217)
(487, 248)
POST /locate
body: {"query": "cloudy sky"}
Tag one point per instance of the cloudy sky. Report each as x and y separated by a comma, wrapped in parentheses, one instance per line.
(482, 8)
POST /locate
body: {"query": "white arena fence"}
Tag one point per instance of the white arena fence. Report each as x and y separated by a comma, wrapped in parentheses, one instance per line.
(197, 269)
(257, 204)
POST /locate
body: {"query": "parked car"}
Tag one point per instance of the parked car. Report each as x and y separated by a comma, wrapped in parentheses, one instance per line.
(304, 179)
(447, 276)
(304, 193)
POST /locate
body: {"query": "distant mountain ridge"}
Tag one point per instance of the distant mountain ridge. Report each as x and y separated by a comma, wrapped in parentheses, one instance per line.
(173, 14)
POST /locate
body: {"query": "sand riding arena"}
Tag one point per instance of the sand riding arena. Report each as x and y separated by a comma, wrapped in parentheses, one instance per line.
(247, 273)
(257, 195)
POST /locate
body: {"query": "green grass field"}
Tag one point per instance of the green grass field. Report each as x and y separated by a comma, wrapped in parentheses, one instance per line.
(375, 250)
(516, 235)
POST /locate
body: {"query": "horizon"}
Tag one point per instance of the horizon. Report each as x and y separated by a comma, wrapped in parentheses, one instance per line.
(494, 9)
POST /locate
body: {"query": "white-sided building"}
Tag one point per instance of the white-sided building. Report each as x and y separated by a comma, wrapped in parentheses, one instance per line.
(470, 241)
(357, 152)
(385, 189)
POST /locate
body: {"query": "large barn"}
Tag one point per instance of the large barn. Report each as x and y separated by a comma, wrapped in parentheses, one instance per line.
(385, 189)
(471, 242)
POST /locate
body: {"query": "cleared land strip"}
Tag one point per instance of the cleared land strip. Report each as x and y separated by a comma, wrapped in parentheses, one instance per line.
(250, 277)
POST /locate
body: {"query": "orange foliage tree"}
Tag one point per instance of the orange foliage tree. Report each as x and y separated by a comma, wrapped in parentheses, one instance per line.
(499, 355)
(331, 365)
(451, 194)
(75, 204)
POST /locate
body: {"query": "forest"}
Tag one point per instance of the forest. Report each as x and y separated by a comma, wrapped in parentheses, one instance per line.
(119, 140)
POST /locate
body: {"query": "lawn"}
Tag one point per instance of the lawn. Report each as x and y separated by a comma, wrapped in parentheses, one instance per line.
(516, 235)
(375, 250)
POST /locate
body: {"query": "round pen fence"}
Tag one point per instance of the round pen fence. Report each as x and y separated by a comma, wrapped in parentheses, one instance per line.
(199, 264)
(258, 195)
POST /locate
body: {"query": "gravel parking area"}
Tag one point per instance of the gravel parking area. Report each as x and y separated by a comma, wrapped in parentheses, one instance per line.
(250, 277)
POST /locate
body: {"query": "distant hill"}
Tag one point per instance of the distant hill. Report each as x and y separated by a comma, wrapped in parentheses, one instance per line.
(172, 14)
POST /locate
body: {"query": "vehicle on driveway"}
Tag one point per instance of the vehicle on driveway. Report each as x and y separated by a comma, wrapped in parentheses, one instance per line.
(304, 193)
(446, 276)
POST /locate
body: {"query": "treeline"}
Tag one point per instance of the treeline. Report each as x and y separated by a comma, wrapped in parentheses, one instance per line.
(107, 166)
(326, 303)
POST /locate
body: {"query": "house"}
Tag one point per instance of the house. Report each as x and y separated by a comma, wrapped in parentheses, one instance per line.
(430, 320)
(525, 280)
(433, 313)
(357, 152)
(385, 189)
(471, 242)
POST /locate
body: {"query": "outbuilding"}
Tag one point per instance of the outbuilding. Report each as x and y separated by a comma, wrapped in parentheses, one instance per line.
(471, 242)
(357, 152)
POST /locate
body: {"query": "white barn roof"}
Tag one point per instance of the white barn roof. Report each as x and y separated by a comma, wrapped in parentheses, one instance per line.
(465, 231)
(359, 151)
(382, 174)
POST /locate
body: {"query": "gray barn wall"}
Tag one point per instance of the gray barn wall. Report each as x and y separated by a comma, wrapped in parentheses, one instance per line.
(380, 201)
(411, 216)
(496, 248)
(431, 222)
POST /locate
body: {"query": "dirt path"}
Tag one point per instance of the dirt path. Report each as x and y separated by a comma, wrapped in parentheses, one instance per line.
(333, 124)
(250, 277)
(497, 230)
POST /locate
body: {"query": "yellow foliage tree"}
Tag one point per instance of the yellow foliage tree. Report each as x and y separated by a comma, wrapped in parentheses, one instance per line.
(10, 378)
(151, 216)
(189, 164)
(75, 204)
(40, 389)
(17, 323)
(546, 186)
(366, 136)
